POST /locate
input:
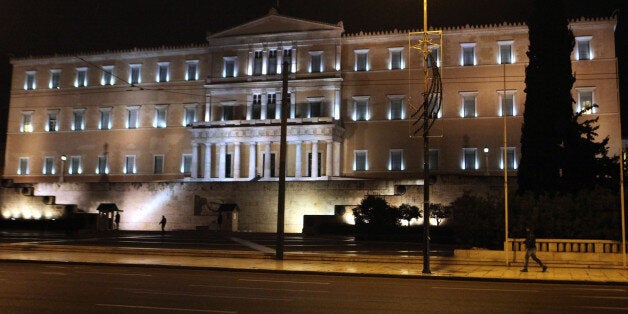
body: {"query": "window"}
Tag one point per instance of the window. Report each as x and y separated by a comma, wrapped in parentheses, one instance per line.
(53, 123)
(433, 159)
(55, 79)
(102, 167)
(319, 158)
(467, 109)
(435, 53)
(315, 107)
(316, 61)
(107, 75)
(505, 52)
(23, 167)
(361, 60)
(396, 60)
(79, 120)
(135, 77)
(189, 116)
(468, 54)
(583, 51)
(287, 57)
(395, 160)
(396, 111)
(49, 163)
(434, 108)
(186, 164)
(163, 72)
(272, 62)
(360, 162)
(469, 159)
(75, 165)
(507, 104)
(229, 69)
(229, 165)
(585, 101)
(271, 106)
(258, 61)
(511, 158)
(160, 116)
(129, 164)
(104, 123)
(27, 122)
(361, 112)
(158, 164)
(133, 115)
(191, 73)
(29, 81)
(81, 77)
(256, 106)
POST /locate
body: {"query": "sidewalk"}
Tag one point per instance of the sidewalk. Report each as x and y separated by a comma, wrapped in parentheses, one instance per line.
(341, 264)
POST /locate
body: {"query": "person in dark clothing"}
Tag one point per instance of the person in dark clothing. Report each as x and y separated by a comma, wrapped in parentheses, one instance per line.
(163, 224)
(530, 243)
(117, 220)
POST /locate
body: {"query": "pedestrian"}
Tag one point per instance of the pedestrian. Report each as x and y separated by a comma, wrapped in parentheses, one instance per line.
(117, 220)
(530, 243)
(163, 224)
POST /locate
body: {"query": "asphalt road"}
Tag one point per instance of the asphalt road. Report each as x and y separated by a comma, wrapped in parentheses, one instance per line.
(54, 288)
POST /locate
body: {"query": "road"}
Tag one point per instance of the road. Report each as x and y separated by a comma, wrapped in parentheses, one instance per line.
(56, 288)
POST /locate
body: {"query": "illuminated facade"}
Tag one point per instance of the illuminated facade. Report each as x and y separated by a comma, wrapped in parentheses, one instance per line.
(211, 112)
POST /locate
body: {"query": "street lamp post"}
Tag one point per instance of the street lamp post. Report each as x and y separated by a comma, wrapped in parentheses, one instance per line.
(63, 159)
(486, 159)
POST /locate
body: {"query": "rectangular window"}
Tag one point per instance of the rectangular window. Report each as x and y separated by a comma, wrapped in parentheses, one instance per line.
(158, 164)
(271, 106)
(434, 107)
(102, 167)
(309, 164)
(29, 81)
(435, 53)
(49, 163)
(272, 62)
(160, 116)
(396, 108)
(53, 122)
(396, 61)
(256, 106)
(229, 69)
(129, 164)
(133, 115)
(360, 162)
(507, 104)
(190, 115)
(104, 123)
(583, 49)
(107, 75)
(163, 72)
(468, 54)
(316, 61)
(135, 77)
(75, 165)
(55, 79)
(79, 120)
(395, 160)
(585, 101)
(229, 166)
(505, 52)
(287, 57)
(186, 164)
(23, 167)
(511, 158)
(258, 61)
(469, 158)
(27, 122)
(361, 60)
(361, 109)
(468, 106)
(191, 73)
(315, 108)
(228, 112)
(433, 159)
(81, 77)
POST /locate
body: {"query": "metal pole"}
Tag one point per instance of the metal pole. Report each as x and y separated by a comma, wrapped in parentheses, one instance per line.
(426, 156)
(621, 172)
(505, 152)
(281, 200)
(63, 158)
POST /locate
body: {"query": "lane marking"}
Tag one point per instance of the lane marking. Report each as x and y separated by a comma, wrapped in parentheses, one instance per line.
(599, 297)
(53, 273)
(252, 245)
(603, 308)
(268, 289)
(162, 308)
(598, 289)
(205, 295)
(286, 281)
(485, 289)
(115, 274)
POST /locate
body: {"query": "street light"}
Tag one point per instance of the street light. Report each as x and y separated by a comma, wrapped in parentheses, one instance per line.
(486, 159)
(63, 158)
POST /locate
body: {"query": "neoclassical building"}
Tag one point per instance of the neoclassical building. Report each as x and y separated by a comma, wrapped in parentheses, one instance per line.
(211, 112)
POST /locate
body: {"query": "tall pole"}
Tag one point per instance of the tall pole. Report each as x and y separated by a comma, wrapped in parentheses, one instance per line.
(281, 199)
(505, 157)
(621, 173)
(63, 158)
(426, 155)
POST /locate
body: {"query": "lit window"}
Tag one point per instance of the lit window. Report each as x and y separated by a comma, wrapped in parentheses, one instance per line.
(469, 159)
(361, 60)
(79, 120)
(258, 62)
(396, 111)
(467, 57)
(583, 51)
(511, 158)
(107, 77)
(316, 61)
(585, 101)
(361, 108)
(505, 52)
(49, 163)
(102, 166)
(163, 72)
(135, 76)
(468, 108)
(433, 159)
(229, 68)
(315, 107)
(53, 121)
(29, 81)
(272, 62)
(133, 115)
(189, 116)
(160, 116)
(27, 121)
(360, 162)
(104, 123)
(256, 106)
(191, 73)
(129, 164)
(395, 162)
(186, 164)
(435, 53)
(271, 106)
(81, 77)
(395, 56)
(55, 79)
(23, 167)
(75, 165)
(158, 164)
(507, 104)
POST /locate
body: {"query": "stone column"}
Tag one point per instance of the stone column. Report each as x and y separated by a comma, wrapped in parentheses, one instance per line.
(315, 159)
(267, 161)
(328, 159)
(293, 101)
(222, 159)
(265, 62)
(249, 106)
(252, 155)
(337, 159)
(264, 104)
(208, 161)
(336, 106)
(208, 107)
(297, 160)
(194, 172)
(249, 70)
(236, 160)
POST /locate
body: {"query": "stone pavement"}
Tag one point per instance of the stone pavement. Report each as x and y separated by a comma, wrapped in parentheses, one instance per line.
(304, 262)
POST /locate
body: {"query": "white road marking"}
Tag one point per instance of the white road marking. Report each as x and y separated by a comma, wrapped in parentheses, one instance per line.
(599, 297)
(267, 289)
(598, 289)
(163, 308)
(222, 296)
(485, 289)
(286, 281)
(607, 308)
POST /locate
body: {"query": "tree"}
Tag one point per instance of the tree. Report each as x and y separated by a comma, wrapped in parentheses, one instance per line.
(408, 212)
(375, 215)
(439, 212)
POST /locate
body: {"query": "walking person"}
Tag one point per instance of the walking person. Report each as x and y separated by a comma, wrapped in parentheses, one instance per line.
(530, 243)
(117, 220)
(163, 224)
